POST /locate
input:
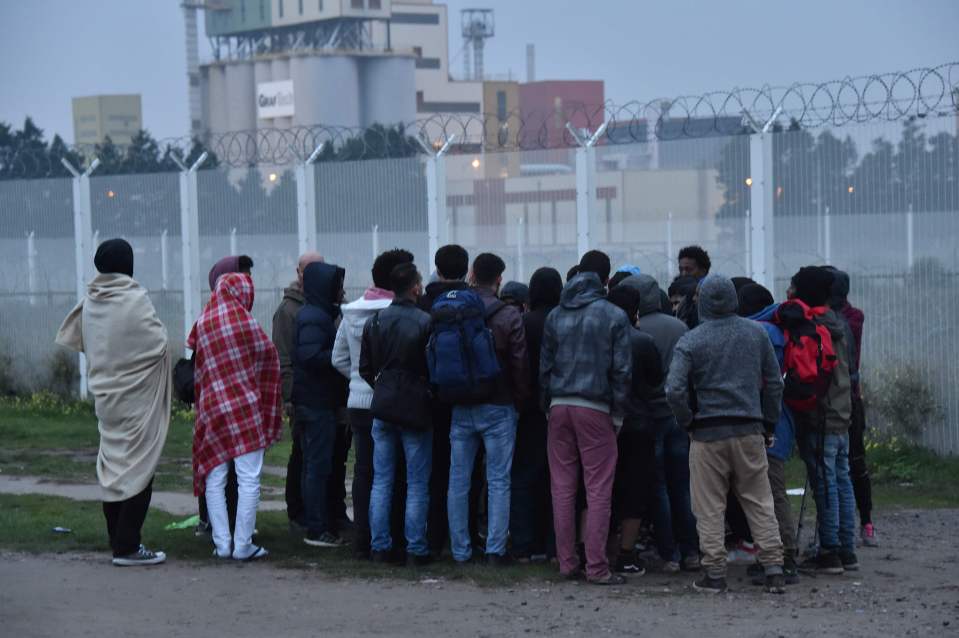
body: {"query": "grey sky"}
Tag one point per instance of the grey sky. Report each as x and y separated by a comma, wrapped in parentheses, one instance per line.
(53, 50)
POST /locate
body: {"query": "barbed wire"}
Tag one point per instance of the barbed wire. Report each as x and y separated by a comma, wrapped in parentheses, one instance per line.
(885, 97)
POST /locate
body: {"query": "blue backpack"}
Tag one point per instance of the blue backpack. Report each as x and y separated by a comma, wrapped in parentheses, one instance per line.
(461, 353)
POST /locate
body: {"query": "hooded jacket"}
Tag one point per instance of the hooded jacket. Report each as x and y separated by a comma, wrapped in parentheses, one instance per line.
(284, 332)
(316, 384)
(346, 347)
(437, 288)
(586, 352)
(724, 380)
(646, 398)
(665, 330)
(509, 337)
(545, 289)
(837, 405)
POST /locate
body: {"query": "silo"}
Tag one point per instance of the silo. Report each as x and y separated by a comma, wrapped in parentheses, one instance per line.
(388, 90)
(326, 90)
(241, 93)
(280, 70)
(218, 106)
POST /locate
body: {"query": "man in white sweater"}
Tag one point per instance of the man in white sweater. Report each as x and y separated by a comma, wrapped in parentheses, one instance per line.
(346, 359)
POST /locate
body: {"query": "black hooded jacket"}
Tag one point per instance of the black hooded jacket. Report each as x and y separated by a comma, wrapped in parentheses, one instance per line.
(545, 288)
(316, 383)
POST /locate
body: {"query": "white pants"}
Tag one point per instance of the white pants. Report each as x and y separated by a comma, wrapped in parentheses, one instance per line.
(248, 468)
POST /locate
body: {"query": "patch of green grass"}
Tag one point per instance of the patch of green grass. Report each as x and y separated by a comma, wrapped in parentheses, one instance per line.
(27, 521)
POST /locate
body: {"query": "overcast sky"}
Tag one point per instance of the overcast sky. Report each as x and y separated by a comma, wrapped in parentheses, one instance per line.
(53, 50)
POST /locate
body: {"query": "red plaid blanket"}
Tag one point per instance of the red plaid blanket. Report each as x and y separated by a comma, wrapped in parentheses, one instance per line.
(237, 380)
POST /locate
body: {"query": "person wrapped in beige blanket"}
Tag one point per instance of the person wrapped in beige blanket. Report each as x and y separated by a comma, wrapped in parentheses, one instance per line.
(126, 348)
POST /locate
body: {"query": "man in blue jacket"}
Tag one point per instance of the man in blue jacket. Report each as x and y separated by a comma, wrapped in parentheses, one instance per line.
(318, 389)
(756, 303)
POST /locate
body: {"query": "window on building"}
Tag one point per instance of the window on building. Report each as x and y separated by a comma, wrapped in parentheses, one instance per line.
(279, 7)
(356, 4)
(501, 105)
(376, 5)
(300, 7)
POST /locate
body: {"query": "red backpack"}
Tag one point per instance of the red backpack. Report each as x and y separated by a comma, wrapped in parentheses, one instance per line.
(809, 358)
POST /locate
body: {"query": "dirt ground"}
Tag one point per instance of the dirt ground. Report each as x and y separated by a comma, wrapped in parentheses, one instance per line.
(907, 587)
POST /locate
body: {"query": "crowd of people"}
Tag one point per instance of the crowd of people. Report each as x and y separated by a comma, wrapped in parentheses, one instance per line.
(601, 423)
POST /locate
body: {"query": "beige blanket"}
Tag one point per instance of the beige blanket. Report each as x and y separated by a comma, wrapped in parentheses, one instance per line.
(125, 344)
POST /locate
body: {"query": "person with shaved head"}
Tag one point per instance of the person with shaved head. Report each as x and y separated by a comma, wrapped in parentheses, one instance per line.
(284, 329)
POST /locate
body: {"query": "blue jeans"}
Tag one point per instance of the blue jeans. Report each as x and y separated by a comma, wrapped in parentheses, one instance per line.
(495, 426)
(835, 502)
(417, 448)
(673, 517)
(318, 432)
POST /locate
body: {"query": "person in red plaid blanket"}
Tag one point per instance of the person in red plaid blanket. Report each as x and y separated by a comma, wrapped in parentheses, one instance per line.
(239, 411)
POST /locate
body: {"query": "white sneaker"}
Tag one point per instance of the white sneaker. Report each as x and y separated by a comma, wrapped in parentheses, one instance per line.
(142, 556)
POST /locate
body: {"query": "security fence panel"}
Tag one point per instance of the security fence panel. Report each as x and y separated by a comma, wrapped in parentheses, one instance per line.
(520, 205)
(881, 201)
(145, 211)
(37, 281)
(250, 211)
(652, 199)
(366, 207)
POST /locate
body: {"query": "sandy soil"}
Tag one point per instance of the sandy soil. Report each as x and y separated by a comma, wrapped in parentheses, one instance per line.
(907, 587)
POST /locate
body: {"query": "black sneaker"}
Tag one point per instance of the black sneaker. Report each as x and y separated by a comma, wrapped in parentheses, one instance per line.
(827, 563)
(709, 585)
(142, 556)
(575, 575)
(849, 561)
(415, 560)
(499, 560)
(756, 571)
(326, 539)
(775, 584)
(630, 563)
(790, 572)
(611, 580)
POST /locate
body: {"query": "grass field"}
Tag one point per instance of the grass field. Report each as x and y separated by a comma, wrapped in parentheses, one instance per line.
(44, 439)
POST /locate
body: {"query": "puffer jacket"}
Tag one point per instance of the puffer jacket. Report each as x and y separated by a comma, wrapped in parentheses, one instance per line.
(346, 347)
(399, 343)
(586, 351)
(316, 383)
(724, 380)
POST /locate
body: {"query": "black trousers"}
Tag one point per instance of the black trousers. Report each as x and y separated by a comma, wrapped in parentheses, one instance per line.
(336, 485)
(858, 471)
(361, 422)
(231, 497)
(125, 520)
(293, 492)
(437, 523)
(531, 509)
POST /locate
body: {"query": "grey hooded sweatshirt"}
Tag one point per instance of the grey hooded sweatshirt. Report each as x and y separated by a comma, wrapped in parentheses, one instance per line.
(665, 330)
(724, 380)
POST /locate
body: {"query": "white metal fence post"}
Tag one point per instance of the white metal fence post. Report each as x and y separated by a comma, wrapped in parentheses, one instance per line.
(585, 183)
(190, 240)
(827, 236)
(83, 242)
(761, 234)
(306, 202)
(437, 220)
(747, 246)
(909, 238)
(520, 249)
(164, 260)
(32, 267)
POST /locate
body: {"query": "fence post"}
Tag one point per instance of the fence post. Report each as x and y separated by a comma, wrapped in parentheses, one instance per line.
(190, 241)
(437, 220)
(83, 240)
(827, 236)
(585, 182)
(910, 246)
(32, 267)
(306, 202)
(520, 249)
(164, 259)
(761, 235)
(376, 240)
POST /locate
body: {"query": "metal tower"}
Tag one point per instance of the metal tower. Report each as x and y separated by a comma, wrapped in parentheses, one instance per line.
(477, 26)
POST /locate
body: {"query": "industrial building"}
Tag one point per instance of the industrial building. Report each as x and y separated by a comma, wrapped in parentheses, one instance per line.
(97, 117)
